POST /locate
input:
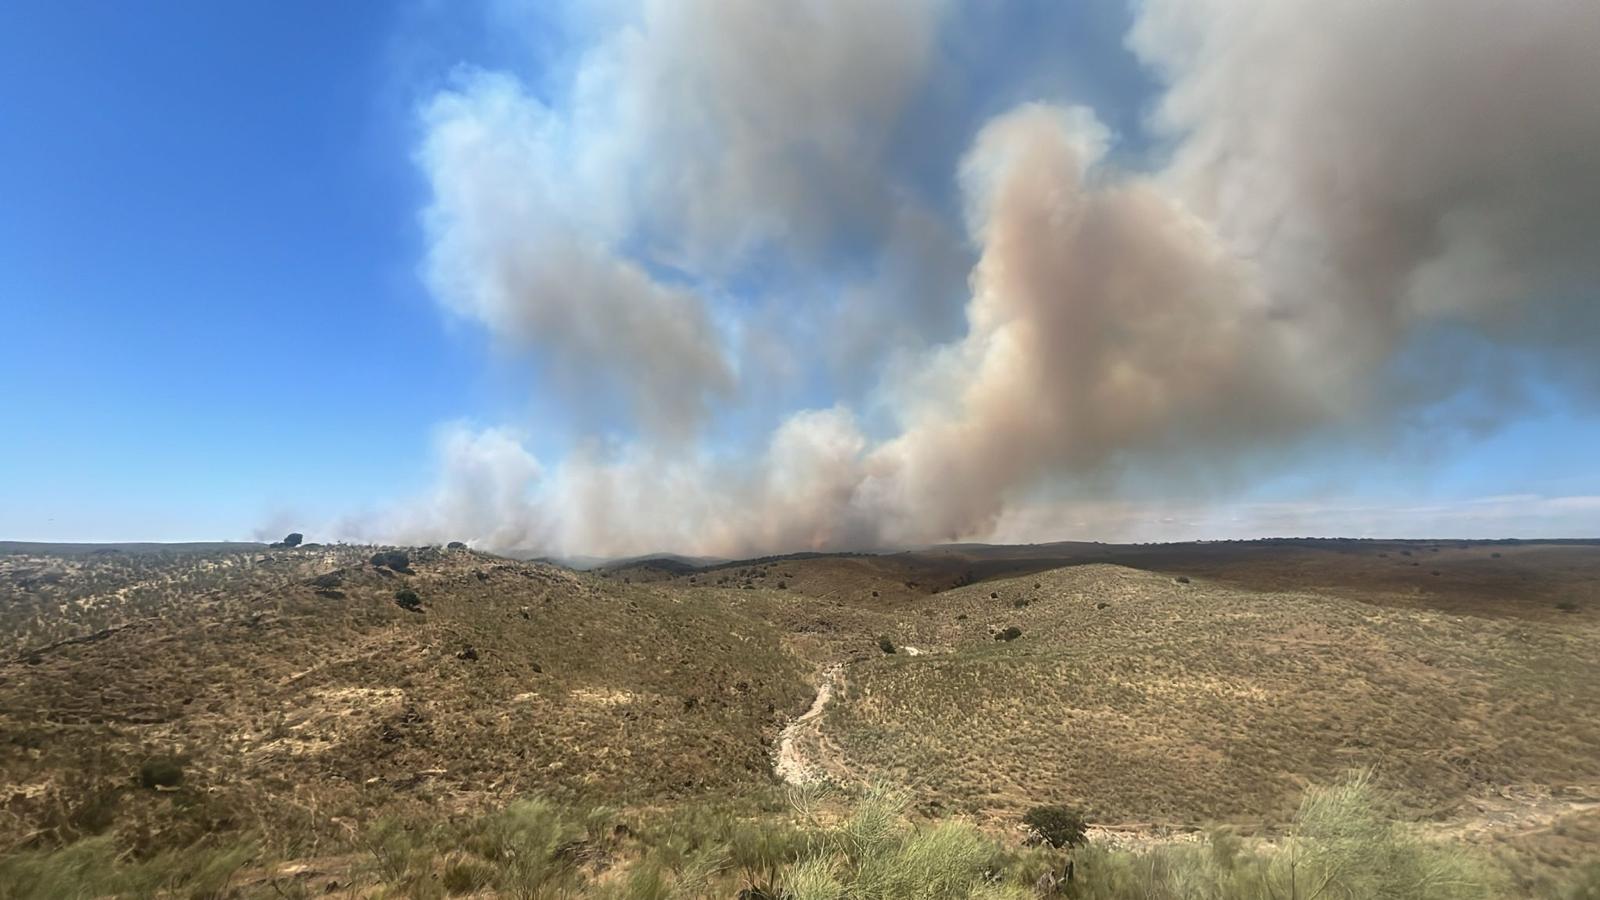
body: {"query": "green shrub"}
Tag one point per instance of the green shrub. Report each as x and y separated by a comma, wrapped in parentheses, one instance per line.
(396, 560)
(328, 580)
(885, 644)
(96, 868)
(1582, 884)
(407, 599)
(396, 846)
(465, 874)
(531, 843)
(162, 772)
(1055, 825)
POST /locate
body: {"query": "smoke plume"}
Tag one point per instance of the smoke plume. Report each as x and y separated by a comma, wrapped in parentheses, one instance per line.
(1340, 181)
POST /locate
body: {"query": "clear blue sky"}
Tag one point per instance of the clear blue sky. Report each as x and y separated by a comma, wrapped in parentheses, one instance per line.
(208, 248)
(212, 306)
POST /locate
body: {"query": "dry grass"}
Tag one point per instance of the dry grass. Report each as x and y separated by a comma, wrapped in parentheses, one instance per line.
(300, 715)
(304, 715)
(1192, 703)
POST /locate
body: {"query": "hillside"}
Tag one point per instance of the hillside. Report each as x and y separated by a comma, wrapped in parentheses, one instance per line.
(306, 696)
(302, 698)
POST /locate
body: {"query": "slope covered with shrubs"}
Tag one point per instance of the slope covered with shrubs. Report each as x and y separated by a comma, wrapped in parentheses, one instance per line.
(331, 688)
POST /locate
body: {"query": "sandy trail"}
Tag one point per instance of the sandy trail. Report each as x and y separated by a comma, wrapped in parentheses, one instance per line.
(793, 765)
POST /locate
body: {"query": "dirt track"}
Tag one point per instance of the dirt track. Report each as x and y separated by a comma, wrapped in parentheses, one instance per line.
(791, 764)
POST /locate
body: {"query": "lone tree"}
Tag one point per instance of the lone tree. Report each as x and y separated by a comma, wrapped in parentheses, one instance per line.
(293, 539)
(1056, 826)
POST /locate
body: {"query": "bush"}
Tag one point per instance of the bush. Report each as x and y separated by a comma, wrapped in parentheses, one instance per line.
(164, 772)
(1011, 633)
(293, 539)
(455, 545)
(885, 644)
(467, 875)
(397, 846)
(96, 868)
(526, 843)
(407, 599)
(1056, 826)
(397, 560)
(1182, 579)
(1583, 884)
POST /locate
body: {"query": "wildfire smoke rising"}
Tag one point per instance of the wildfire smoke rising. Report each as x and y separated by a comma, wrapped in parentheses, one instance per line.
(723, 200)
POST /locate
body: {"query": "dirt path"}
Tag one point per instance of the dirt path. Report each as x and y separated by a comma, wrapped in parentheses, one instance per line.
(1513, 812)
(792, 764)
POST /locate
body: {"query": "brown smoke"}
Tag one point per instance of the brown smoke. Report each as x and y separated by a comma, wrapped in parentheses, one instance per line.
(1343, 178)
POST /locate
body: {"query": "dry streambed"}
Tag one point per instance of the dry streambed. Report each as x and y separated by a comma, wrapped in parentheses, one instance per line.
(797, 763)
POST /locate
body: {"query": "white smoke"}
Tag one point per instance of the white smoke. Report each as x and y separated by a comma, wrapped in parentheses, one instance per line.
(515, 246)
(488, 493)
(1343, 177)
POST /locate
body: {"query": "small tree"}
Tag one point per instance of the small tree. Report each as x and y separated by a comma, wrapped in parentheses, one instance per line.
(1055, 825)
(293, 539)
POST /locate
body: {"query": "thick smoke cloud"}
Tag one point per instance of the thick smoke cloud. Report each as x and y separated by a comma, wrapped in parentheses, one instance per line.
(515, 247)
(1343, 180)
(1391, 165)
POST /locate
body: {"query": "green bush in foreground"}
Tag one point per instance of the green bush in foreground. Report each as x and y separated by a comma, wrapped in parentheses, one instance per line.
(95, 868)
(1340, 847)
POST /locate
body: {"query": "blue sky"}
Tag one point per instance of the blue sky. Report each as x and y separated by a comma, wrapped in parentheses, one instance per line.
(222, 312)
(208, 248)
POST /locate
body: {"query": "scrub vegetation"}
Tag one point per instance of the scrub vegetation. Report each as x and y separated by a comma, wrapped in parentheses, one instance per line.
(1163, 722)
